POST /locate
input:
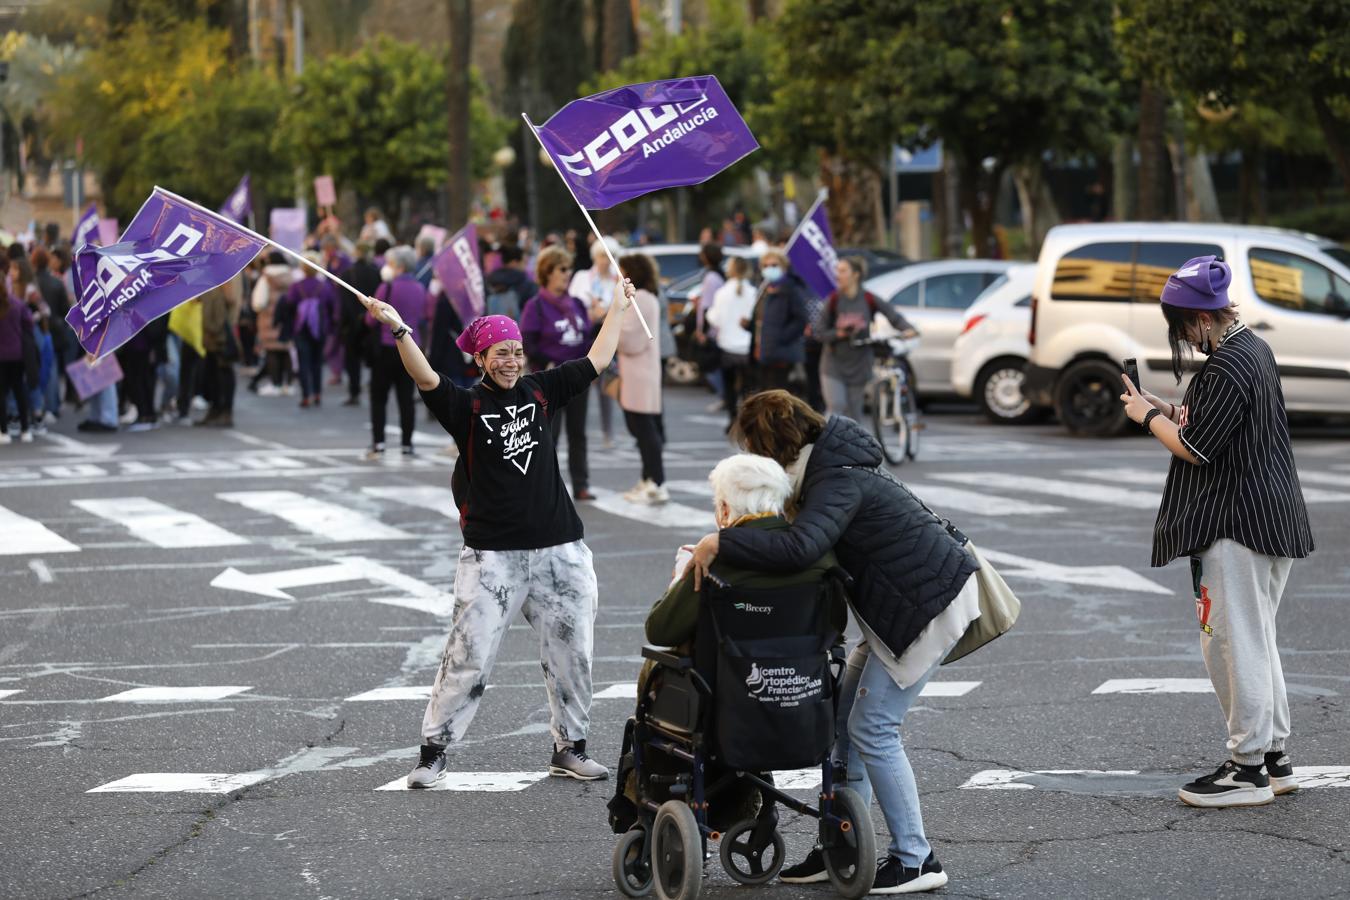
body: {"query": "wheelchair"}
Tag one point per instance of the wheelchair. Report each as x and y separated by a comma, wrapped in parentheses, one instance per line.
(757, 695)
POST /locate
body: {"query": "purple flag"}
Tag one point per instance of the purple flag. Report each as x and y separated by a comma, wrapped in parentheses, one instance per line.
(86, 230)
(621, 144)
(239, 202)
(171, 252)
(811, 252)
(461, 274)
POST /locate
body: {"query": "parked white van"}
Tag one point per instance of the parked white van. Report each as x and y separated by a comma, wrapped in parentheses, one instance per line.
(1095, 303)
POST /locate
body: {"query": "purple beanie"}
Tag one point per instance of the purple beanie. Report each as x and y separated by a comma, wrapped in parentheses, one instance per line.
(485, 331)
(1202, 283)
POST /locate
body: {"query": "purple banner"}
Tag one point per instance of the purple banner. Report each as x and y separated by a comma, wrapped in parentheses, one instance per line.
(461, 273)
(240, 201)
(90, 378)
(811, 252)
(86, 230)
(170, 253)
(287, 226)
(627, 142)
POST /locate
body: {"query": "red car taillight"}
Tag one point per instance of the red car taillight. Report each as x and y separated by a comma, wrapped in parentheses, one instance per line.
(972, 322)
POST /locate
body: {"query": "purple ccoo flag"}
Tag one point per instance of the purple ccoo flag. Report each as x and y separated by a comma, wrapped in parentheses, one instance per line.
(811, 252)
(171, 252)
(620, 144)
(461, 274)
(86, 230)
(239, 202)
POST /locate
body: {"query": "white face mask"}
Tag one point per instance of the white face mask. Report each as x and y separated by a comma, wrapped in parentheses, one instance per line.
(773, 273)
(387, 273)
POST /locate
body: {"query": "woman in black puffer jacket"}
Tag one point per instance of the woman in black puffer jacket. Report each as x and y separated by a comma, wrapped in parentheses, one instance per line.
(913, 597)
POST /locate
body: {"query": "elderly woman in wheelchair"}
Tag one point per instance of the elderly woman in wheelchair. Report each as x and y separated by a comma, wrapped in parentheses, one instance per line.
(748, 686)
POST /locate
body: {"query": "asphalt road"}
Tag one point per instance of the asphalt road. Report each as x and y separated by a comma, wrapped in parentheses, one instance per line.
(274, 570)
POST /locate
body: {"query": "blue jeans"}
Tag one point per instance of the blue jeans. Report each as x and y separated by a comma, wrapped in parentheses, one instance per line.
(871, 710)
(103, 407)
(309, 354)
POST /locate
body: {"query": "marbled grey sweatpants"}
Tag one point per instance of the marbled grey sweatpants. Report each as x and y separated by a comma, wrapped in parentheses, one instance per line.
(555, 589)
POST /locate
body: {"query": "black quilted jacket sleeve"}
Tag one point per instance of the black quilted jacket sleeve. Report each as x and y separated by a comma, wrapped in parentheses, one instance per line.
(830, 500)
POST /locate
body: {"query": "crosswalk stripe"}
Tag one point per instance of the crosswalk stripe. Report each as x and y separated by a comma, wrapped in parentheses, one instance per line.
(160, 525)
(941, 497)
(948, 688)
(626, 690)
(176, 694)
(1156, 479)
(1155, 686)
(1012, 779)
(436, 499)
(487, 782)
(180, 782)
(662, 515)
(24, 536)
(4, 694)
(414, 692)
(1074, 490)
(328, 520)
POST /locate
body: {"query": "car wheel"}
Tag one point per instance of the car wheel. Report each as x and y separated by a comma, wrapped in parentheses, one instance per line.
(998, 391)
(1087, 398)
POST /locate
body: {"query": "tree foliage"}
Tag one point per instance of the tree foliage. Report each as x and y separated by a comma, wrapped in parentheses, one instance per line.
(375, 121)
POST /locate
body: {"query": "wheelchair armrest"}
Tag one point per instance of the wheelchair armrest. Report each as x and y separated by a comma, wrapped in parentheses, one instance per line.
(666, 658)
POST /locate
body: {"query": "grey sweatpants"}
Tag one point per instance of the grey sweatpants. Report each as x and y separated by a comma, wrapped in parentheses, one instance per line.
(555, 589)
(1237, 593)
(843, 398)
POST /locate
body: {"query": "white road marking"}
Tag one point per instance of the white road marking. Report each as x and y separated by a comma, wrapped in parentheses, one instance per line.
(337, 523)
(176, 694)
(948, 688)
(23, 536)
(662, 515)
(72, 447)
(1008, 779)
(422, 496)
(487, 782)
(1115, 577)
(180, 782)
(942, 497)
(1325, 478)
(39, 568)
(160, 525)
(419, 437)
(416, 692)
(1154, 478)
(697, 487)
(621, 691)
(797, 779)
(418, 594)
(1074, 490)
(4, 694)
(1155, 686)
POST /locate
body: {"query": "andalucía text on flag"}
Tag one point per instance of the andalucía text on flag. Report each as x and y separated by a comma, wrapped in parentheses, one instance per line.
(811, 252)
(170, 253)
(620, 144)
(461, 274)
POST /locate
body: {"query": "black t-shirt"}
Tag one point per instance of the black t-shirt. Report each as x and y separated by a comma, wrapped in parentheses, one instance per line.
(515, 495)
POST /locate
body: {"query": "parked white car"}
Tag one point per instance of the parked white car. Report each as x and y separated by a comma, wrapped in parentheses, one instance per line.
(934, 296)
(1095, 304)
(989, 358)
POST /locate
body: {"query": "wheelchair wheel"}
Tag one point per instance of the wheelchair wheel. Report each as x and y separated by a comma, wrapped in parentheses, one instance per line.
(747, 863)
(850, 856)
(677, 852)
(632, 865)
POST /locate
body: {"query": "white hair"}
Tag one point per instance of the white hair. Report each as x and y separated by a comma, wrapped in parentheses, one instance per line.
(598, 251)
(750, 485)
(404, 258)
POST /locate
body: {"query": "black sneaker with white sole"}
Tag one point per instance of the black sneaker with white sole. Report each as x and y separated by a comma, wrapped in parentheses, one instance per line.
(572, 762)
(809, 871)
(894, 877)
(1230, 784)
(1280, 771)
(430, 768)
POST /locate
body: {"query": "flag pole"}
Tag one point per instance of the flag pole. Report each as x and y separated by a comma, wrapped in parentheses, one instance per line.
(821, 195)
(589, 221)
(365, 301)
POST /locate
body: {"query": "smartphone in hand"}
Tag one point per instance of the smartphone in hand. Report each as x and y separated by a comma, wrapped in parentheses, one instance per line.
(1132, 370)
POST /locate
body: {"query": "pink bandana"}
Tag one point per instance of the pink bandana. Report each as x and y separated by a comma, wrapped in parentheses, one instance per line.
(485, 331)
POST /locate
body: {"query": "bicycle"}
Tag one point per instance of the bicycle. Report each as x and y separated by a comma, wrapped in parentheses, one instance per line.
(895, 411)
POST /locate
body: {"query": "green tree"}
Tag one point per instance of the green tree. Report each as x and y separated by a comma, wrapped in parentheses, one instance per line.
(1249, 51)
(163, 104)
(376, 122)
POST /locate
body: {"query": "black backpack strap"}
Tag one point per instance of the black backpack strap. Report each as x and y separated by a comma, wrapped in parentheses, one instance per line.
(542, 401)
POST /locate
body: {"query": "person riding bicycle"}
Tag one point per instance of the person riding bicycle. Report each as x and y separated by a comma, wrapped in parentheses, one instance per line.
(845, 322)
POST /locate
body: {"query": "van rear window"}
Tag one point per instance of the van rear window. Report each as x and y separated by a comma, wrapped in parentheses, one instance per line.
(1096, 272)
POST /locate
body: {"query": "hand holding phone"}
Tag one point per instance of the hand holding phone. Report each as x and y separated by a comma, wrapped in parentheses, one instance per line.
(1132, 371)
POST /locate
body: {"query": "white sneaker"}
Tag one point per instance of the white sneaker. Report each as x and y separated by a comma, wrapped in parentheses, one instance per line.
(658, 493)
(640, 492)
(25, 437)
(49, 418)
(5, 438)
(131, 415)
(199, 404)
(269, 389)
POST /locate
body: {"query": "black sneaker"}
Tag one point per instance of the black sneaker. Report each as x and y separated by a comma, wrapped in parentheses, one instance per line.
(893, 877)
(1229, 785)
(430, 768)
(1280, 771)
(808, 871)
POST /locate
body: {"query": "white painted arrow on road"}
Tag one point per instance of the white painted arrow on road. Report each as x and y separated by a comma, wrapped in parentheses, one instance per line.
(72, 447)
(419, 595)
(1115, 577)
